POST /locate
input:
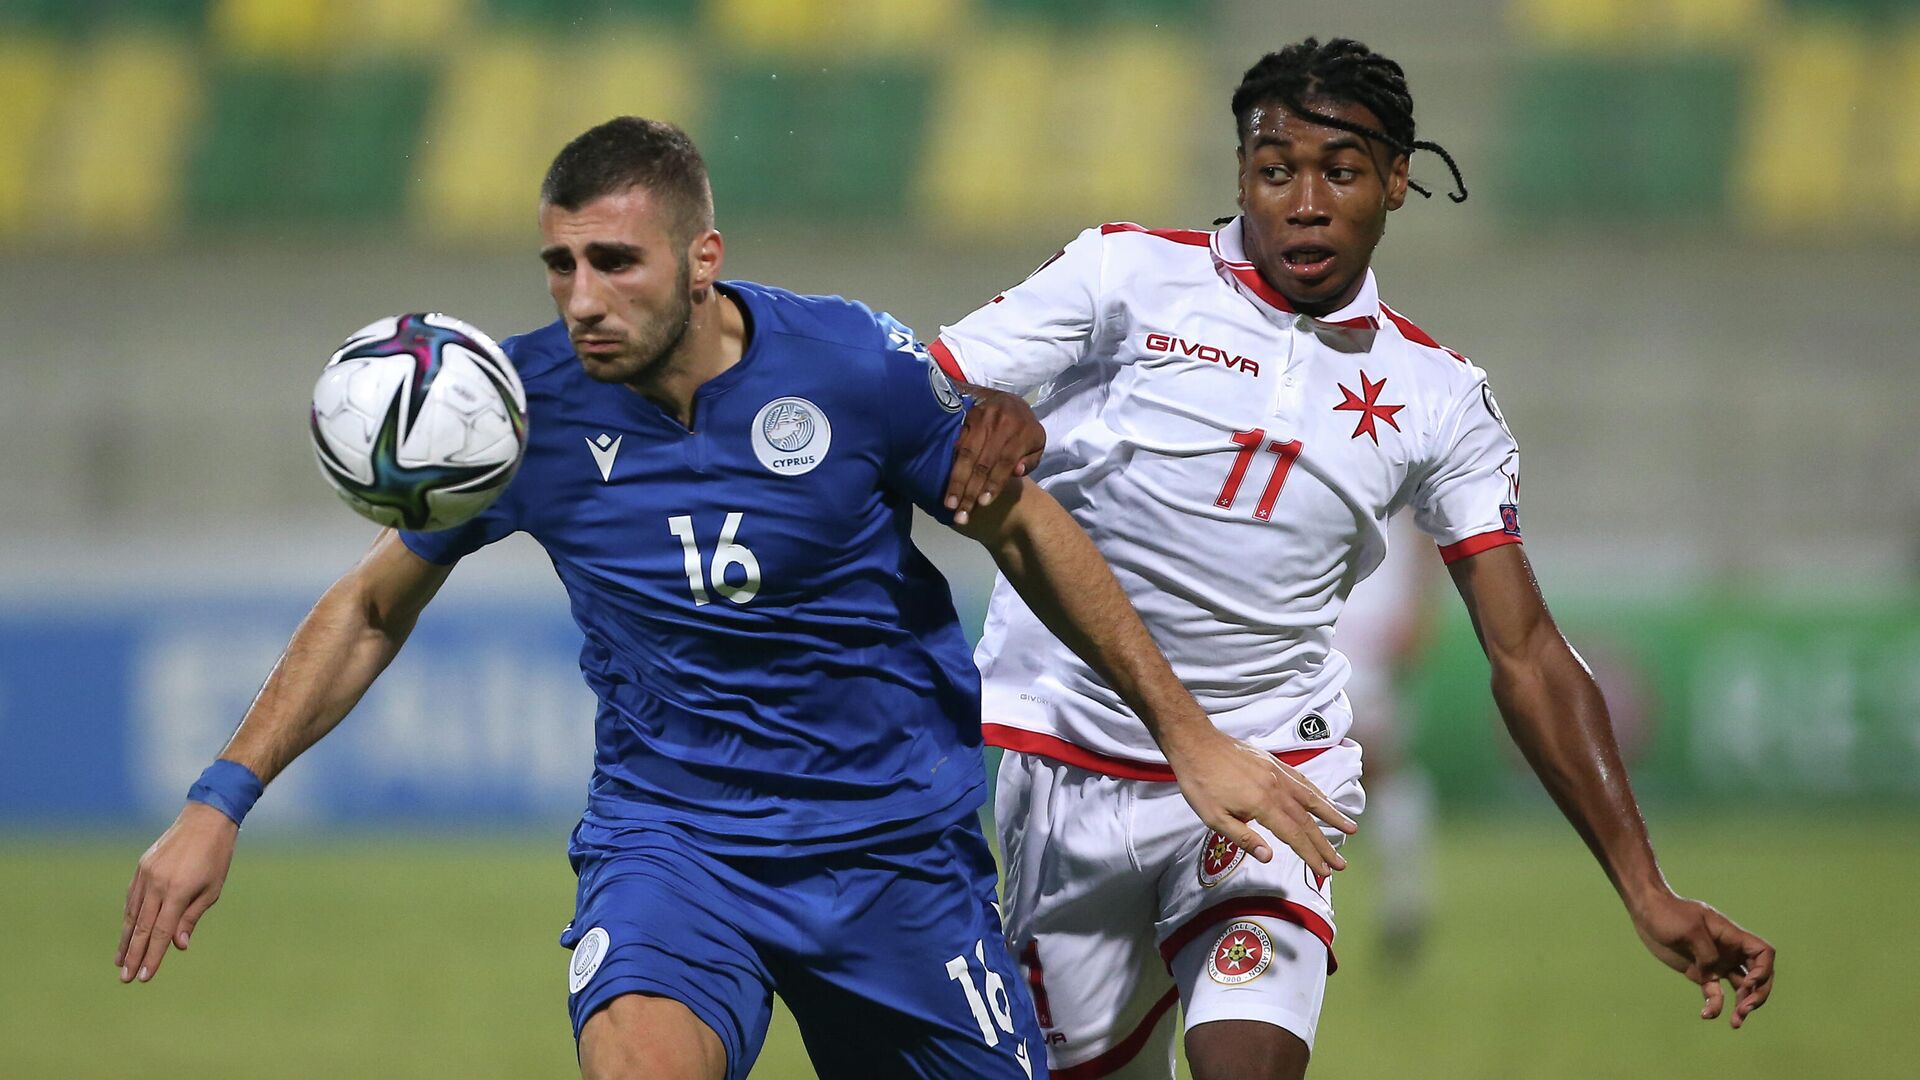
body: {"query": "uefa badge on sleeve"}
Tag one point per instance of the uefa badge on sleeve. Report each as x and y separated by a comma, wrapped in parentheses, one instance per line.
(587, 957)
(1219, 857)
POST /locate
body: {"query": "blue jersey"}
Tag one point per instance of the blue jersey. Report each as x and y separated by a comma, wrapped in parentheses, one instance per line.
(777, 666)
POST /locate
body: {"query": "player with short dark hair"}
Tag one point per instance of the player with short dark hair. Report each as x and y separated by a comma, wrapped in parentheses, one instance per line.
(1235, 416)
(788, 771)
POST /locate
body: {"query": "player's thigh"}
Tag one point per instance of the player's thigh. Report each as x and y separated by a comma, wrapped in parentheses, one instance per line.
(659, 922)
(910, 974)
(1080, 916)
(1251, 990)
(644, 1037)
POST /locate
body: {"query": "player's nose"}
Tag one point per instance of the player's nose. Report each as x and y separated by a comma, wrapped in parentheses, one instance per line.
(1308, 202)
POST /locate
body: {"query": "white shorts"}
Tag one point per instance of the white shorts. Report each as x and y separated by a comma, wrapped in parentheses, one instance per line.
(1119, 902)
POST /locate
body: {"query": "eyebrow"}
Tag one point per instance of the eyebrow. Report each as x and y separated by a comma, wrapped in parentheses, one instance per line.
(598, 247)
(1337, 143)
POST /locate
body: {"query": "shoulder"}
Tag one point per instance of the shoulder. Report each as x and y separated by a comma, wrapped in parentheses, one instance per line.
(823, 320)
(539, 353)
(1432, 358)
(1136, 254)
(1130, 232)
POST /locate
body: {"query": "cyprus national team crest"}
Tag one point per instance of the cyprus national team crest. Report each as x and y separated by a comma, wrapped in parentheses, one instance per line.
(791, 435)
(587, 956)
(1241, 953)
(1218, 858)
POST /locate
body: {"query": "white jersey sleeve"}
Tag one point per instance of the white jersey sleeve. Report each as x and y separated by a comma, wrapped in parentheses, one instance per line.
(1030, 334)
(1469, 499)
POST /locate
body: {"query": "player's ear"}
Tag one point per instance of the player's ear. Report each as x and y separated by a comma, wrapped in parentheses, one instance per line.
(1397, 182)
(704, 255)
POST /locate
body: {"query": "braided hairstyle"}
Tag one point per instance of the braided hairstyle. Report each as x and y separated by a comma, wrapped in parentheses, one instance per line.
(1341, 70)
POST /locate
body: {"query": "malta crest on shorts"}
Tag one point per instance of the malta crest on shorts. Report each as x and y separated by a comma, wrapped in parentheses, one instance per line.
(1218, 858)
(1240, 954)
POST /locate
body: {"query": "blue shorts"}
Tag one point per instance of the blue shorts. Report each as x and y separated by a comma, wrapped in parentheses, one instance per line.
(891, 958)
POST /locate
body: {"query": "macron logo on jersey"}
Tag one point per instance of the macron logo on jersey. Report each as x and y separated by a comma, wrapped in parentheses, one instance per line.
(1171, 345)
(604, 449)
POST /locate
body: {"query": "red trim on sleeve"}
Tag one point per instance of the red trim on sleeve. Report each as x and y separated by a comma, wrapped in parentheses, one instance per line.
(1474, 545)
(944, 357)
(1273, 907)
(1125, 1051)
(1054, 748)
(1193, 237)
(1415, 334)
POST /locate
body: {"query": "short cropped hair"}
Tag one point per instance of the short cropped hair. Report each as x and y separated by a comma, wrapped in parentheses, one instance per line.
(630, 151)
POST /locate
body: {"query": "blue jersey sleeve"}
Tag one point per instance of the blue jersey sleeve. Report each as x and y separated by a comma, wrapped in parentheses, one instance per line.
(924, 413)
(449, 546)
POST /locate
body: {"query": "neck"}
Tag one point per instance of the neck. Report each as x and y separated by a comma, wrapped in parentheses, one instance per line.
(715, 339)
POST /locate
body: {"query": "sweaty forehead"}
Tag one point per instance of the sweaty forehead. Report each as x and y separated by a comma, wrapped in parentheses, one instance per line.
(1271, 121)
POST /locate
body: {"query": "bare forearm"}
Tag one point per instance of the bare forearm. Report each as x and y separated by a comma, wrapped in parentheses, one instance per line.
(333, 657)
(1558, 719)
(1055, 568)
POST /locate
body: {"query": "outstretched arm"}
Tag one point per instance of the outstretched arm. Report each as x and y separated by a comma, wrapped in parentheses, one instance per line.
(1558, 719)
(1055, 568)
(345, 641)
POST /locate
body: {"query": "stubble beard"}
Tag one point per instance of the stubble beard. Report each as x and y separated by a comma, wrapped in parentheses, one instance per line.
(652, 351)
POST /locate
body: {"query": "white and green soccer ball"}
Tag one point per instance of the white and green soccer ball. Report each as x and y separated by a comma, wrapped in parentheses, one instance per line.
(419, 421)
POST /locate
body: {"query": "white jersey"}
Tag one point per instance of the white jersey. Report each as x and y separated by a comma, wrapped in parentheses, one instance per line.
(1236, 464)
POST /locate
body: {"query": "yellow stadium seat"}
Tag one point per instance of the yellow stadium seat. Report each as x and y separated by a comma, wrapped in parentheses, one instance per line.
(1593, 25)
(1899, 120)
(29, 90)
(1029, 131)
(835, 27)
(1804, 165)
(1575, 23)
(272, 29)
(1694, 23)
(498, 120)
(117, 161)
(387, 24)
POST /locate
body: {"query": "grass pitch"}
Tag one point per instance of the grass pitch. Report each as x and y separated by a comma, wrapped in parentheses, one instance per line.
(436, 958)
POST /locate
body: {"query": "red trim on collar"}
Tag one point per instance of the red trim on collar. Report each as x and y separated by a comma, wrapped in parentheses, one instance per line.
(1249, 275)
(1415, 334)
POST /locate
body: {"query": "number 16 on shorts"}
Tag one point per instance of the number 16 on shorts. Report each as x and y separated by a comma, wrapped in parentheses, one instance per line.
(995, 1002)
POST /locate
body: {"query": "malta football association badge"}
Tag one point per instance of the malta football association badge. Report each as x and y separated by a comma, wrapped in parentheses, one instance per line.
(1218, 858)
(1240, 954)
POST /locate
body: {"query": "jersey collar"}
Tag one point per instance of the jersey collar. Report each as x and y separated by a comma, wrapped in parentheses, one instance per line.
(1230, 259)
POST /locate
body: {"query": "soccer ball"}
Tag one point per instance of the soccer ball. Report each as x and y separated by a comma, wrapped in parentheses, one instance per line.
(419, 421)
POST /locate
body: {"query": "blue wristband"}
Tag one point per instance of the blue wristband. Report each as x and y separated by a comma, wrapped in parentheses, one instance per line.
(228, 787)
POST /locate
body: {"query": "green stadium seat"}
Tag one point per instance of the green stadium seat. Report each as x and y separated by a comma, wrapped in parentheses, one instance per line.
(1596, 138)
(804, 143)
(1864, 10)
(331, 148)
(76, 17)
(570, 16)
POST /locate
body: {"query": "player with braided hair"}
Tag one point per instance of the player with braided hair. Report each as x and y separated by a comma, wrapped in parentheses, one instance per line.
(1234, 417)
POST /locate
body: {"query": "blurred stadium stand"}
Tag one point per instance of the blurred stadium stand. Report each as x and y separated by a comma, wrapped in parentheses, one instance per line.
(1690, 263)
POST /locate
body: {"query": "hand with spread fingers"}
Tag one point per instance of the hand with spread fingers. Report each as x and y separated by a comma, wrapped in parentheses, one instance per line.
(175, 883)
(1002, 439)
(1696, 940)
(1232, 785)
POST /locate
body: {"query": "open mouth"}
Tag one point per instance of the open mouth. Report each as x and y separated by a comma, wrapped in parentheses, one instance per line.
(1308, 260)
